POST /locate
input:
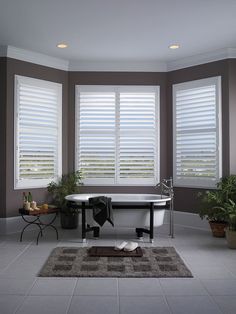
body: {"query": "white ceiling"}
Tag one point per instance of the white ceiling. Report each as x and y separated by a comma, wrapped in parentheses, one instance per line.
(118, 30)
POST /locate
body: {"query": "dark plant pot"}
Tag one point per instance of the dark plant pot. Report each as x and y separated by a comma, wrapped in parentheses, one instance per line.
(218, 229)
(69, 220)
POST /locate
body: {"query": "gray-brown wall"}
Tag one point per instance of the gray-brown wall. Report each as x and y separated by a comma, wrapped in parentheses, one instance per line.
(14, 197)
(232, 115)
(185, 198)
(3, 72)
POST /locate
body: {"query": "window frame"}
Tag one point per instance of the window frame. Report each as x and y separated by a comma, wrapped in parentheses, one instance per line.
(36, 183)
(198, 182)
(120, 89)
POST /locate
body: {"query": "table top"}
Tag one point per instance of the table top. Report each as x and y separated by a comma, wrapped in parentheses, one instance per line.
(37, 212)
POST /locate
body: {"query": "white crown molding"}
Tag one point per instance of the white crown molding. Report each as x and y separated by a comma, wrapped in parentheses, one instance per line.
(118, 66)
(35, 57)
(201, 59)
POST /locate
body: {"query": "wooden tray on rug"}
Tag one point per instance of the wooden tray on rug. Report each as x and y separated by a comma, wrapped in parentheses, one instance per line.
(109, 251)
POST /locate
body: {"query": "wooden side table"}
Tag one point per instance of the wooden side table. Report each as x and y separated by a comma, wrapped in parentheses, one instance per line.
(37, 221)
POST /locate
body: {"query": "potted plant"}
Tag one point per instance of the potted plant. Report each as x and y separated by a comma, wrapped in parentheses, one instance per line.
(230, 210)
(67, 184)
(213, 204)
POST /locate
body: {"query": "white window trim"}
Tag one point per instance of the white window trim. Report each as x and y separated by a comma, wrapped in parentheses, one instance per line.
(121, 88)
(42, 183)
(198, 183)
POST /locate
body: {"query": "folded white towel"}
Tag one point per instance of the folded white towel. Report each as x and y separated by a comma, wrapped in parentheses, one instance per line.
(131, 246)
(121, 246)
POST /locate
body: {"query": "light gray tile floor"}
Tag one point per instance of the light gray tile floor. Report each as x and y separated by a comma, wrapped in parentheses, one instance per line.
(9, 303)
(137, 287)
(141, 305)
(227, 304)
(212, 290)
(49, 304)
(53, 286)
(94, 305)
(97, 286)
(182, 286)
(192, 304)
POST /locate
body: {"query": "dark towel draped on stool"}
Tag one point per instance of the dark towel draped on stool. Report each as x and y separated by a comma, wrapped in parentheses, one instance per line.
(102, 209)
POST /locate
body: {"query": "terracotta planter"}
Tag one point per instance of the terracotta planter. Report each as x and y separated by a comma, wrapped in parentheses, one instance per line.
(231, 238)
(218, 229)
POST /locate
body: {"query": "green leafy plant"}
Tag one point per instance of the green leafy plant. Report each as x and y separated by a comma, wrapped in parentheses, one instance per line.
(227, 187)
(230, 211)
(214, 202)
(67, 184)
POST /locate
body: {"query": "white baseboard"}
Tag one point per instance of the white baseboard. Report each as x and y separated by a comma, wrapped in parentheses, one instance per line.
(188, 220)
(123, 218)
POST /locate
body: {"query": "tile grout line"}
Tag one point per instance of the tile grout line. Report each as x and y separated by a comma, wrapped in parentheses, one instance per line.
(17, 256)
(165, 297)
(207, 294)
(25, 296)
(167, 303)
(231, 273)
(30, 288)
(70, 300)
(118, 295)
(162, 295)
(201, 295)
(211, 297)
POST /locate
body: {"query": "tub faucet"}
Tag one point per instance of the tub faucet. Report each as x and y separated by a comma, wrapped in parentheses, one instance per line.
(166, 186)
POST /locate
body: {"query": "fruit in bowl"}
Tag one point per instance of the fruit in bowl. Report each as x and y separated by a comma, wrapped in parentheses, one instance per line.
(43, 207)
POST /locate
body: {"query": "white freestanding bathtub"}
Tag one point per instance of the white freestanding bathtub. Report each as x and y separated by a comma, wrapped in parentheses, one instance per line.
(159, 200)
(149, 217)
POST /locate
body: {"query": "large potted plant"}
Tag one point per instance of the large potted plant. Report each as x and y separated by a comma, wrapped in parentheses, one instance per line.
(213, 204)
(67, 184)
(230, 210)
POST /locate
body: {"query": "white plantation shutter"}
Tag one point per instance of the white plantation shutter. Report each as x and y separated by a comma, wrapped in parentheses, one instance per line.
(37, 132)
(197, 133)
(138, 138)
(96, 136)
(117, 134)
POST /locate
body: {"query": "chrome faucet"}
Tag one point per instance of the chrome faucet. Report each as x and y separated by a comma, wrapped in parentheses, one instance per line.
(166, 186)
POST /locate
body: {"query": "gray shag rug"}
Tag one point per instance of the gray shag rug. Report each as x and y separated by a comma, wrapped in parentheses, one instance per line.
(159, 262)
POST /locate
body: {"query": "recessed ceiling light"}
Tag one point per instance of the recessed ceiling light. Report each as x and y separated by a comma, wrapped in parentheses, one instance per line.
(174, 46)
(62, 45)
